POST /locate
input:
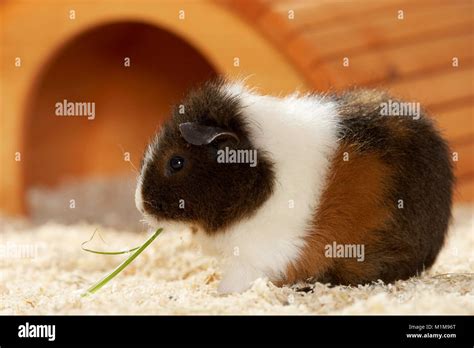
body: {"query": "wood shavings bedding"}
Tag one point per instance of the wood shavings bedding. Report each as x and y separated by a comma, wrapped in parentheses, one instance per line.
(173, 277)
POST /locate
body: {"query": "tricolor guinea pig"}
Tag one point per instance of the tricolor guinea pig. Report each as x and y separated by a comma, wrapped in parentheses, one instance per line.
(328, 188)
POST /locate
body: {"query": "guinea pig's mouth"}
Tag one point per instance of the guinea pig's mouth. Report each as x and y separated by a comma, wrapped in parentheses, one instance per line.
(151, 220)
(166, 225)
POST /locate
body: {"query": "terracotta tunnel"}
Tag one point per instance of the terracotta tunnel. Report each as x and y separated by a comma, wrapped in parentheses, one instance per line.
(133, 72)
(132, 61)
(173, 45)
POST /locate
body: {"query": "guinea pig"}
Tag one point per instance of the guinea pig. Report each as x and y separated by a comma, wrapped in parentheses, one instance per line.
(333, 188)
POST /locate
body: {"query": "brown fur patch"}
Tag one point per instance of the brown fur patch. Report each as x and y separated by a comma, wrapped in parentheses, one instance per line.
(365, 102)
(350, 211)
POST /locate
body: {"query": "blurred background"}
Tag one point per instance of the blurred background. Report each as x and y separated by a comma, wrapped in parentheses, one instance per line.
(134, 59)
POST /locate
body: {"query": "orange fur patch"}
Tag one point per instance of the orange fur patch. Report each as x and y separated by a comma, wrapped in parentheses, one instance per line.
(350, 210)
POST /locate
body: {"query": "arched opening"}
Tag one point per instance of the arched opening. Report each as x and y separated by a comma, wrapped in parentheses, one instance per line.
(130, 101)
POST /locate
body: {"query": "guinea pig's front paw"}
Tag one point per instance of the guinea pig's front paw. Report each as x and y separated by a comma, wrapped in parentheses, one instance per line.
(229, 286)
(236, 280)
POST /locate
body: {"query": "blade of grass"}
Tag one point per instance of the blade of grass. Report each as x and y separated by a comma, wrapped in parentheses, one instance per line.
(104, 252)
(109, 252)
(97, 286)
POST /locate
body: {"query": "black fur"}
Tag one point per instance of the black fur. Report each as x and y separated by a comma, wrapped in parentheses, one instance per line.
(215, 195)
(423, 180)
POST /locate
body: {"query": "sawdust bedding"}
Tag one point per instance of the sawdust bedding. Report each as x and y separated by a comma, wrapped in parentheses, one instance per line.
(173, 277)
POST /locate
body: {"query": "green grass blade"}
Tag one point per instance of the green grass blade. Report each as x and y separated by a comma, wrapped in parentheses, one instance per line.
(97, 286)
(104, 252)
(110, 252)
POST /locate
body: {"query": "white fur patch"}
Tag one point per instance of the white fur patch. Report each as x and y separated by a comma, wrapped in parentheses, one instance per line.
(299, 133)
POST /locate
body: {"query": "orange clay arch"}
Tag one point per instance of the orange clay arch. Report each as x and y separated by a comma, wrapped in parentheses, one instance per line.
(82, 60)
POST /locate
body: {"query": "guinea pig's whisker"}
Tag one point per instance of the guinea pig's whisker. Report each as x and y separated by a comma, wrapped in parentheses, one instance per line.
(149, 203)
(135, 170)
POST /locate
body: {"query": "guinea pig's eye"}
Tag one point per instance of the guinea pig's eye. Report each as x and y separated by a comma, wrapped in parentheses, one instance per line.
(176, 163)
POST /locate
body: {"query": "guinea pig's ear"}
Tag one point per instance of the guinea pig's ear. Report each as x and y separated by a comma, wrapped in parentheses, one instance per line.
(197, 134)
